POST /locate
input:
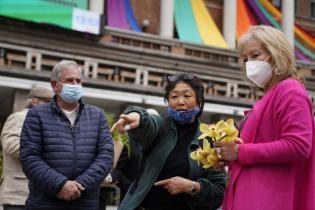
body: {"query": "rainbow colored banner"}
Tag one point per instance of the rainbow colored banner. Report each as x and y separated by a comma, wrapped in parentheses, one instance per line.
(267, 14)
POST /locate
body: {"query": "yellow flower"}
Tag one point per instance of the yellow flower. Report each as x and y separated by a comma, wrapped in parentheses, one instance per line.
(205, 156)
(208, 131)
(221, 131)
(195, 155)
(226, 130)
(212, 158)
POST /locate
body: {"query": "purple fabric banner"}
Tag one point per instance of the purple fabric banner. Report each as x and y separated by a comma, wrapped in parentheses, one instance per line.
(116, 15)
(255, 8)
(299, 55)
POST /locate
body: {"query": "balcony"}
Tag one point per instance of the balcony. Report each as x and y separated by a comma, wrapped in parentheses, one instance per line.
(131, 62)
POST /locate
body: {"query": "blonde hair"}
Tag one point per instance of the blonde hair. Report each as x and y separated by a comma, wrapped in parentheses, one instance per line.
(277, 45)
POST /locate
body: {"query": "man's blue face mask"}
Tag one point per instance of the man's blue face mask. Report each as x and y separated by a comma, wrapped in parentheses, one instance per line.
(183, 116)
(71, 93)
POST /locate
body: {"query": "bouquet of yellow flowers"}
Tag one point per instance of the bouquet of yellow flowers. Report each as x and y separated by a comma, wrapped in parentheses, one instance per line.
(207, 156)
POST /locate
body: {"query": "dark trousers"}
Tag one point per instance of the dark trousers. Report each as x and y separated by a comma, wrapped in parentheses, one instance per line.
(102, 199)
(161, 208)
(13, 207)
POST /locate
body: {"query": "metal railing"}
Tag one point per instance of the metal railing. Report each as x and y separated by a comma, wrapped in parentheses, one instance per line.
(121, 73)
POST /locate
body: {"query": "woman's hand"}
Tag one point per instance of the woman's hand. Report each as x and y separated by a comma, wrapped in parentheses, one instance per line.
(227, 150)
(219, 166)
(176, 185)
(126, 122)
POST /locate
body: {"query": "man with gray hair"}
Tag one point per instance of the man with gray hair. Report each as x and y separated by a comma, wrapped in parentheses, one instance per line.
(13, 188)
(66, 147)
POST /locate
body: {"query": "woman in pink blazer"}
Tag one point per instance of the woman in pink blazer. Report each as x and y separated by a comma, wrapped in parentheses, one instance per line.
(274, 167)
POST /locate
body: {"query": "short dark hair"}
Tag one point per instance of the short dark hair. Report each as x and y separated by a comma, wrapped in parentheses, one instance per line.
(193, 81)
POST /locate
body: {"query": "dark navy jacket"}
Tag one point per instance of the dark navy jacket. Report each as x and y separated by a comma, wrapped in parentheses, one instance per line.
(52, 152)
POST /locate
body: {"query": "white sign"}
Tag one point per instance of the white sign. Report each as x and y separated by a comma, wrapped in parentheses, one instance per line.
(86, 21)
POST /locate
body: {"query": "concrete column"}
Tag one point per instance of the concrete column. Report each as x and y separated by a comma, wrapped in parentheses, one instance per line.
(167, 18)
(288, 19)
(229, 22)
(96, 6)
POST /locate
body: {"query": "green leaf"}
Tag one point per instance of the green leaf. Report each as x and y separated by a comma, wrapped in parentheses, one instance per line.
(116, 135)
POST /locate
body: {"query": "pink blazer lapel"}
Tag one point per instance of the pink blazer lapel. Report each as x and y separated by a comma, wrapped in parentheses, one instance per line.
(257, 112)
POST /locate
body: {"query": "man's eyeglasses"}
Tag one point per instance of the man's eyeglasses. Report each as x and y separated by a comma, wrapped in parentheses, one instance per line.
(173, 78)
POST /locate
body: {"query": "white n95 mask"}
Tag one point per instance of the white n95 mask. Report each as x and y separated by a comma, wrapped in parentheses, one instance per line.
(259, 72)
